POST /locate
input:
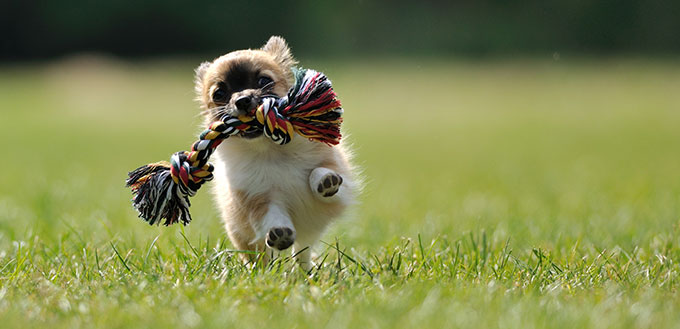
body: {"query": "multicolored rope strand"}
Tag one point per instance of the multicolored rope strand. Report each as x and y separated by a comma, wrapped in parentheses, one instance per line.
(311, 109)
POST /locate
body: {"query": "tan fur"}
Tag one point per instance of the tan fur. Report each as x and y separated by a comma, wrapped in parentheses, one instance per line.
(278, 48)
(245, 210)
(259, 183)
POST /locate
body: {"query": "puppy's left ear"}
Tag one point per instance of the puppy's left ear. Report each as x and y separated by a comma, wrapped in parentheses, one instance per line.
(277, 47)
(198, 80)
(199, 74)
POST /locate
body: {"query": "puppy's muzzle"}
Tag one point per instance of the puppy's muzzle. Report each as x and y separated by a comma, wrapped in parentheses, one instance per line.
(246, 104)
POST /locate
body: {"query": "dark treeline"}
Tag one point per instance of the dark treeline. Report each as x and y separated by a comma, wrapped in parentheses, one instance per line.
(43, 29)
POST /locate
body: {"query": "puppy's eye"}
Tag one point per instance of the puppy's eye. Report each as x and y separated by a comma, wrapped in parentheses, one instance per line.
(263, 81)
(219, 95)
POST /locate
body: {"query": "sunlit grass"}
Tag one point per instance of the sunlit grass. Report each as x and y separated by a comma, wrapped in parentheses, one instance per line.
(505, 194)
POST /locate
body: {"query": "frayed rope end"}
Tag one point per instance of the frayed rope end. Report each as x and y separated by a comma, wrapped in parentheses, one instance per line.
(155, 195)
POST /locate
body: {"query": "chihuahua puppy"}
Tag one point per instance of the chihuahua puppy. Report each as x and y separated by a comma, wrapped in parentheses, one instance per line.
(271, 196)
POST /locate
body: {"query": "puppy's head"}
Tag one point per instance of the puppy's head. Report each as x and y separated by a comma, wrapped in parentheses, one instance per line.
(235, 82)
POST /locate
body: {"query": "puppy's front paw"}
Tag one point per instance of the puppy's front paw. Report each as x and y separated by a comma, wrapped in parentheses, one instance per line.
(280, 238)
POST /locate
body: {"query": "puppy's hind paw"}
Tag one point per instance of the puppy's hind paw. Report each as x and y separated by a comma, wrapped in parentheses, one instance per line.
(280, 238)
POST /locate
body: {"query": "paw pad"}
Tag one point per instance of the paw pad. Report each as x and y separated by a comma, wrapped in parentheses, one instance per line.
(329, 184)
(280, 238)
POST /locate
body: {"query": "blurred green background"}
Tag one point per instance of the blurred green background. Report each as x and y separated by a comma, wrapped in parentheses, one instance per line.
(546, 125)
(540, 120)
(543, 151)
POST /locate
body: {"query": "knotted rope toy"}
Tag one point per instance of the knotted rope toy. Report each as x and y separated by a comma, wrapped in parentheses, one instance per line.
(311, 109)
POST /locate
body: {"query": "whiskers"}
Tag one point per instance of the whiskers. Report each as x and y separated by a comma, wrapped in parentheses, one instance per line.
(266, 91)
(215, 112)
(267, 87)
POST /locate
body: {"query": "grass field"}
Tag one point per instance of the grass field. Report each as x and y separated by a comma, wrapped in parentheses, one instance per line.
(506, 194)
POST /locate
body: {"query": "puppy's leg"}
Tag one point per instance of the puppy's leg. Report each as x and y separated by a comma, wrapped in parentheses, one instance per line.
(302, 250)
(325, 183)
(247, 248)
(275, 228)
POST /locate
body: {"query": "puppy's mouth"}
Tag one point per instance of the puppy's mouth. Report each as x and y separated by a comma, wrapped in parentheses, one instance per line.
(251, 133)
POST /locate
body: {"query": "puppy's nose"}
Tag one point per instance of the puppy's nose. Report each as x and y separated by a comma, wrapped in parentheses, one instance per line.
(244, 103)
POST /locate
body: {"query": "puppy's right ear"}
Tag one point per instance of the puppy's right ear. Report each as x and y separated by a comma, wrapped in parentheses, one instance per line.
(199, 77)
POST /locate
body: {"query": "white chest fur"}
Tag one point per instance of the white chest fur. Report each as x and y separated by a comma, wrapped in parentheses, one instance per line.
(262, 167)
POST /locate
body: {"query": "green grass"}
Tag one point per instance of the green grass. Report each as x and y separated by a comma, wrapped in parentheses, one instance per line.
(519, 194)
